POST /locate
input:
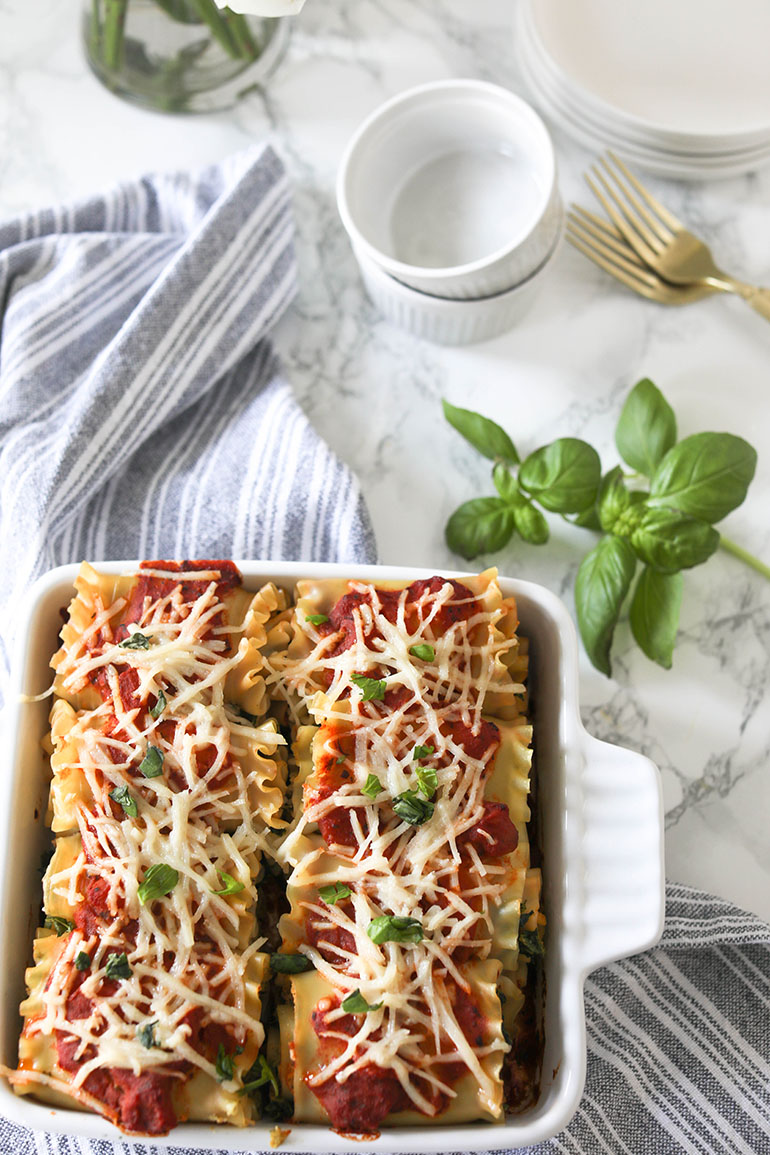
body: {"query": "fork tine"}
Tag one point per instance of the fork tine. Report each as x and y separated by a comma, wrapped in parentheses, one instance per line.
(619, 260)
(639, 235)
(605, 233)
(611, 268)
(620, 222)
(664, 214)
(658, 228)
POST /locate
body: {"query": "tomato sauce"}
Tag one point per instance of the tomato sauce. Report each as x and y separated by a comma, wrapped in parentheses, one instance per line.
(494, 834)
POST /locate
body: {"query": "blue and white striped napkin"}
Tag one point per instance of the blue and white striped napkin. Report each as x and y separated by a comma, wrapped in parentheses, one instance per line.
(142, 414)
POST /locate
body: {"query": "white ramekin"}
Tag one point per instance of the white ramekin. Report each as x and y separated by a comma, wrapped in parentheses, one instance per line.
(601, 832)
(495, 192)
(452, 322)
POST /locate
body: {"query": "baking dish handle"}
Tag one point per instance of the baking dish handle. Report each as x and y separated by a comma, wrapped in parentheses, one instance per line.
(624, 881)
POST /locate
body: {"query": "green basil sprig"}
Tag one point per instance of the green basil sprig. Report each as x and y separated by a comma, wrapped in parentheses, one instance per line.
(334, 893)
(290, 964)
(372, 689)
(411, 808)
(117, 966)
(394, 928)
(356, 1004)
(231, 885)
(59, 924)
(159, 880)
(660, 516)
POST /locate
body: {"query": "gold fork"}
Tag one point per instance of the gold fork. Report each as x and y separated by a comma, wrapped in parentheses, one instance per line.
(660, 238)
(604, 245)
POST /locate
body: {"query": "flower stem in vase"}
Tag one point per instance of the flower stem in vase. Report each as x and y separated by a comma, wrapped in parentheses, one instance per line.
(112, 32)
(212, 17)
(241, 34)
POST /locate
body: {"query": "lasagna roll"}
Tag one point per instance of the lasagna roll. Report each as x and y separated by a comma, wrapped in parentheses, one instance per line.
(408, 850)
(144, 1001)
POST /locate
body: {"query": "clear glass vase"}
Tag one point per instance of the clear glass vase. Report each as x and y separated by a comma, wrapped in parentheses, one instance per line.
(179, 55)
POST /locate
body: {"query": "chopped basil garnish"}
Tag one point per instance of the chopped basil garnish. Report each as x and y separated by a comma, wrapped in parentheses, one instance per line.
(135, 641)
(412, 809)
(82, 961)
(427, 779)
(252, 719)
(259, 1075)
(333, 894)
(290, 964)
(316, 619)
(394, 928)
(146, 1034)
(531, 944)
(423, 651)
(159, 879)
(224, 1064)
(423, 752)
(356, 1004)
(117, 966)
(152, 763)
(159, 706)
(123, 797)
(339, 760)
(372, 787)
(232, 885)
(59, 924)
(372, 689)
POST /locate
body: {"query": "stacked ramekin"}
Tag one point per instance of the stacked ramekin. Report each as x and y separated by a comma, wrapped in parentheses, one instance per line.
(449, 195)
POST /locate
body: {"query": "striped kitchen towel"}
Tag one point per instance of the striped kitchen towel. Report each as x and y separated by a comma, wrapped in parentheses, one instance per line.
(142, 411)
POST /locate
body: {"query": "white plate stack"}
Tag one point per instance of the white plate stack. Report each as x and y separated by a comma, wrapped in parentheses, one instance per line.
(680, 89)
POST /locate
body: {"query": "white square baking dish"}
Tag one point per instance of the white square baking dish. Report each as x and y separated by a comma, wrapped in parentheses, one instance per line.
(601, 833)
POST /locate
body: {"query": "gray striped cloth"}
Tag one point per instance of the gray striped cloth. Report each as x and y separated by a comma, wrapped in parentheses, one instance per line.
(143, 415)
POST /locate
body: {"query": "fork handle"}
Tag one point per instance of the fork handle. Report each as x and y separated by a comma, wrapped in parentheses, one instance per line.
(759, 299)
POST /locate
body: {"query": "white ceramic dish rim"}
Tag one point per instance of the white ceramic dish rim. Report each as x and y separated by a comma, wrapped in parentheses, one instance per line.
(399, 268)
(607, 111)
(586, 892)
(455, 306)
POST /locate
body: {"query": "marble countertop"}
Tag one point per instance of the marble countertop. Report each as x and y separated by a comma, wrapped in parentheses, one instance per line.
(374, 392)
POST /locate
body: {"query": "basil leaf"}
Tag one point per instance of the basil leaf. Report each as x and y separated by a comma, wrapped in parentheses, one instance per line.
(564, 476)
(530, 523)
(706, 475)
(339, 760)
(372, 689)
(316, 619)
(423, 651)
(646, 428)
(259, 1074)
(427, 779)
(290, 964)
(146, 1034)
(587, 519)
(135, 641)
(333, 894)
(159, 706)
(531, 944)
(82, 961)
(117, 966)
(356, 1004)
(483, 434)
(412, 809)
(372, 787)
(232, 885)
(670, 541)
(482, 525)
(59, 924)
(152, 763)
(600, 587)
(124, 798)
(654, 614)
(224, 1064)
(505, 483)
(613, 501)
(252, 719)
(422, 752)
(394, 928)
(159, 879)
